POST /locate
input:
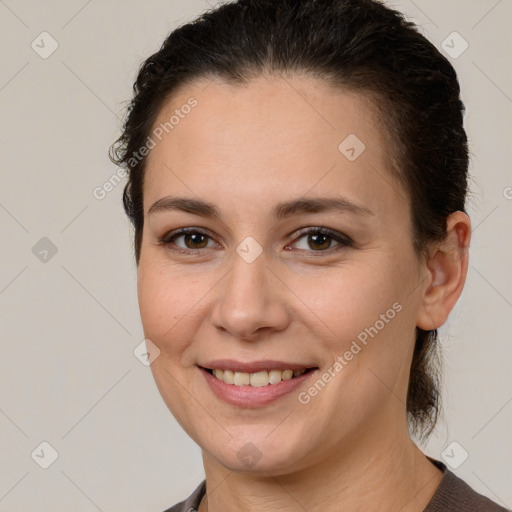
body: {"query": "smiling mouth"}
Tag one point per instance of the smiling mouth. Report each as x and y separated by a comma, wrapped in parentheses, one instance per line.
(257, 379)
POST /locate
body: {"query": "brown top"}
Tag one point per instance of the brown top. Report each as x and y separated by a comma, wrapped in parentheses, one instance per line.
(452, 495)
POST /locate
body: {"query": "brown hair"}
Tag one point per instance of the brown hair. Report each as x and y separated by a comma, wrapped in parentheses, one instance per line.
(354, 44)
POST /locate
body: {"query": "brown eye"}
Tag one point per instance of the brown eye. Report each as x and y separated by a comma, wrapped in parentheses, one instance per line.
(321, 240)
(193, 241)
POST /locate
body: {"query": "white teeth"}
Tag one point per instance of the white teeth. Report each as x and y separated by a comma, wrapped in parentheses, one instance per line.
(228, 377)
(257, 379)
(242, 379)
(275, 376)
(287, 374)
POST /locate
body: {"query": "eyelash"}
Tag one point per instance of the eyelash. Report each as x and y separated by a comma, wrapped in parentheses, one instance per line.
(343, 240)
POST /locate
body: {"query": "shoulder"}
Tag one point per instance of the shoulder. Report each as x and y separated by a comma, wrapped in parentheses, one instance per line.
(455, 495)
(191, 504)
(452, 495)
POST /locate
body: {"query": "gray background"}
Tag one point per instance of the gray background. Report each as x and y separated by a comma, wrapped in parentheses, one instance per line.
(70, 320)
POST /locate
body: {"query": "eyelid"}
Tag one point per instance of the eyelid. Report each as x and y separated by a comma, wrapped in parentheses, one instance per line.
(166, 239)
(342, 239)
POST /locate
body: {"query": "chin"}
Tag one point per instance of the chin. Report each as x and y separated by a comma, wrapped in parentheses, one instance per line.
(254, 451)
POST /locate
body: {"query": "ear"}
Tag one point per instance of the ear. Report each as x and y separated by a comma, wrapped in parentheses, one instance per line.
(447, 266)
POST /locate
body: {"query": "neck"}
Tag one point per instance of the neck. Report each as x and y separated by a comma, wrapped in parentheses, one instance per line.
(381, 471)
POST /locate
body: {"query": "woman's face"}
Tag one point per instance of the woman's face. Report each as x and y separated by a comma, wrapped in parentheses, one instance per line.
(257, 287)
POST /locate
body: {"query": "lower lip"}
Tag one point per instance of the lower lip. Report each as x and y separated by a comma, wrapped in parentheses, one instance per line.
(251, 396)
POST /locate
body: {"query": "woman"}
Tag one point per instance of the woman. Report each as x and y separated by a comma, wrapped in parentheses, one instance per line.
(297, 183)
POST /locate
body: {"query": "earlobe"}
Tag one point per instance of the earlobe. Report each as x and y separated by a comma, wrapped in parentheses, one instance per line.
(447, 266)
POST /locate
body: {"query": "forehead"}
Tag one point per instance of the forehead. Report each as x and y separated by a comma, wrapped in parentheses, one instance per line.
(270, 138)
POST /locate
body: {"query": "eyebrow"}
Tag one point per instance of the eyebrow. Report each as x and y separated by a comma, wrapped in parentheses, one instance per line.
(281, 211)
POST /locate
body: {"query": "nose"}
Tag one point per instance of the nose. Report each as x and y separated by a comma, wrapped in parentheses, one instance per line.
(251, 301)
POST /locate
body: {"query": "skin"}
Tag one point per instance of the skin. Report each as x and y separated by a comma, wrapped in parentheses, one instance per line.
(245, 149)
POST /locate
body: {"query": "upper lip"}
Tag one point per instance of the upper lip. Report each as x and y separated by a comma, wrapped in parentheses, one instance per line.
(254, 366)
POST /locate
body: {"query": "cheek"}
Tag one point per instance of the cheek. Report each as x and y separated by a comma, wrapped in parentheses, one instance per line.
(365, 322)
(346, 301)
(167, 302)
